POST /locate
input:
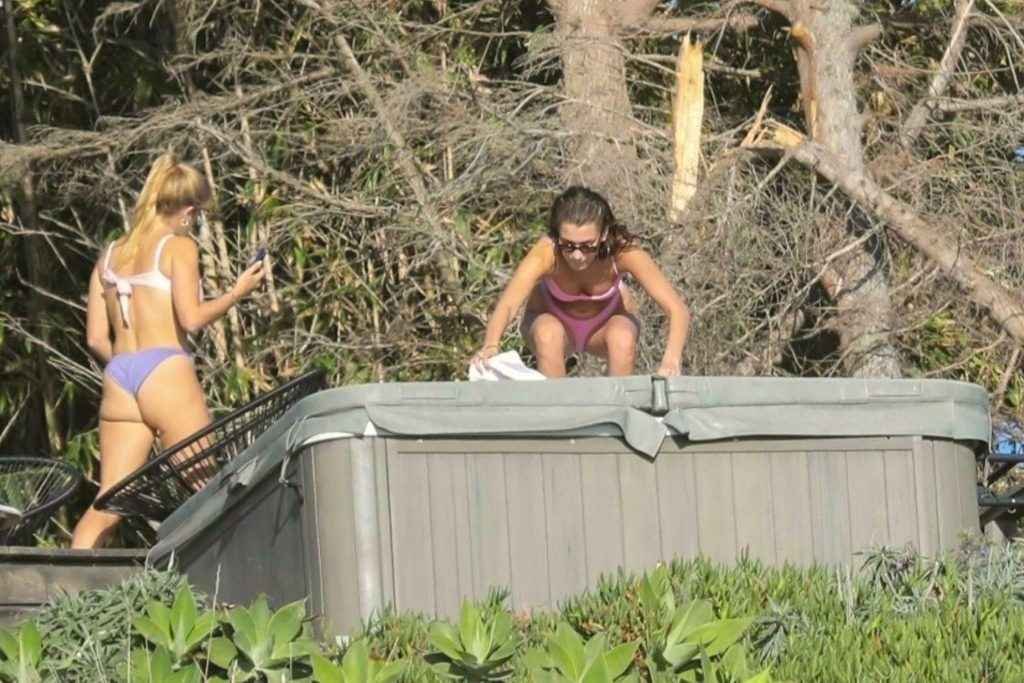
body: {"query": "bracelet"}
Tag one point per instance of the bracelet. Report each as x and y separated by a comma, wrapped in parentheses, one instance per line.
(490, 346)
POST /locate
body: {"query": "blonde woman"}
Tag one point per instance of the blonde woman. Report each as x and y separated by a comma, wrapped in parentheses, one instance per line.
(144, 297)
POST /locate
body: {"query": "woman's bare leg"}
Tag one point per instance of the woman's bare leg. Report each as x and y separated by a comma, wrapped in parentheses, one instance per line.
(125, 442)
(548, 341)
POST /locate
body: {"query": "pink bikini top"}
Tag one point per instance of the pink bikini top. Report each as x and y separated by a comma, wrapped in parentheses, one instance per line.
(151, 278)
(560, 294)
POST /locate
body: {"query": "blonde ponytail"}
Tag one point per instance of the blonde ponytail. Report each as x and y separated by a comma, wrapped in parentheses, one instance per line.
(170, 187)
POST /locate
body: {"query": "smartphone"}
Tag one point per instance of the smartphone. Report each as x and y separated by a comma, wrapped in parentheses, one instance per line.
(260, 254)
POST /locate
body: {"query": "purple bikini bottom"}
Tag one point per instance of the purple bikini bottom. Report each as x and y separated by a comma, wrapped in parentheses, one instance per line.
(130, 370)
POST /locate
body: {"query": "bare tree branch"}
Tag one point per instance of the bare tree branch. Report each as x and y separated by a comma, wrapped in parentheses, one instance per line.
(863, 35)
(1004, 306)
(940, 81)
(783, 7)
(953, 105)
(662, 24)
(406, 161)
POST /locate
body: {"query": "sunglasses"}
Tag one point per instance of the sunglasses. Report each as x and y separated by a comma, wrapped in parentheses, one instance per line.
(568, 246)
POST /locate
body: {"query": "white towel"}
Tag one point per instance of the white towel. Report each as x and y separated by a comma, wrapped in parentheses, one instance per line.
(507, 365)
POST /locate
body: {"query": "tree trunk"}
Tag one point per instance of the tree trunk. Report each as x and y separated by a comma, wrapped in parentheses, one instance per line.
(44, 434)
(597, 111)
(826, 47)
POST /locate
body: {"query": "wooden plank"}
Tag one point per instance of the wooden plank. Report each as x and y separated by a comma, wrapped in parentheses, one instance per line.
(641, 522)
(752, 489)
(527, 514)
(970, 521)
(830, 505)
(488, 523)
(901, 503)
(791, 508)
(947, 494)
(926, 498)
(677, 501)
(411, 533)
(449, 584)
(716, 511)
(387, 560)
(334, 520)
(564, 502)
(602, 514)
(869, 518)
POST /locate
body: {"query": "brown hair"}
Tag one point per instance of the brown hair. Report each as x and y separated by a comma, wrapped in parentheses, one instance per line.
(581, 205)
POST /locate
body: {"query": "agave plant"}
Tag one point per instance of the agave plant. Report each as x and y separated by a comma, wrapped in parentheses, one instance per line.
(480, 650)
(22, 655)
(265, 644)
(566, 659)
(355, 667)
(688, 643)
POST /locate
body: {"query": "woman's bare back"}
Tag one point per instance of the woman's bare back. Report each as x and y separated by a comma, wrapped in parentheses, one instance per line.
(151, 319)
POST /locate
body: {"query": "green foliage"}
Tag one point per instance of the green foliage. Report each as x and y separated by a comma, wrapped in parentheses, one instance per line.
(22, 653)
(566, 658)
(355, 667)
(179, 630)
(155, 666)
(688, 643)
(479, 650)
(84, 633)
(274, 645)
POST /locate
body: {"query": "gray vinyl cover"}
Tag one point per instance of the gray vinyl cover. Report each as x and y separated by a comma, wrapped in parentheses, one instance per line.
(642, 410)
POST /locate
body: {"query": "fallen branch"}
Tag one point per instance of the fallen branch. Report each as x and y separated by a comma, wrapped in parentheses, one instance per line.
(662, 25)
(952, 106)
(901, 219)
(940, 81)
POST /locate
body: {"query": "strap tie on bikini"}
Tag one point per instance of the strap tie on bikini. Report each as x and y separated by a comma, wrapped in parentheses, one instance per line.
(124, 295)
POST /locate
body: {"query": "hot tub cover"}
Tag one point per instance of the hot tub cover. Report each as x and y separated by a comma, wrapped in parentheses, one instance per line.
(642, 410)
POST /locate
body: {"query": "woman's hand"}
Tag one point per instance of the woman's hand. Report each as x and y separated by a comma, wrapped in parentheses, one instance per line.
(669, 368)
(249, 280)
(480, 358)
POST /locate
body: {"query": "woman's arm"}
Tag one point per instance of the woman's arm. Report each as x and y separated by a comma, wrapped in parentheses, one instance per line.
(97, 325)
(537, 262)
(640, 265)
(192, 312)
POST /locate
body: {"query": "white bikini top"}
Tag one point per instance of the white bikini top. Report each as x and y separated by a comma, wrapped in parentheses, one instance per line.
(151, 278)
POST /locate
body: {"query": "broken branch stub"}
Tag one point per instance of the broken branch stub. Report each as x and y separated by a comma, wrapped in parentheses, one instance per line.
(687, 118)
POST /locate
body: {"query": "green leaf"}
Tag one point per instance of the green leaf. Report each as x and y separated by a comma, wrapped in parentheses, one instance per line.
(469, 625)
(8, 645)
(620, 657)
(31, 644)
(150, 631)
(160, 614)
(222, 652)
(355, 666)
(183, 614)
(389, 672)
(443, 638)
(324, 671)
(687, 618)
(681, 654)
(720, 635)
(189, 675)
(203, 627)
(596, 672)
(287, 622)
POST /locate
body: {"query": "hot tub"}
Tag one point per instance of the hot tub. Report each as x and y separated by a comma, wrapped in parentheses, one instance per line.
(421, 494)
